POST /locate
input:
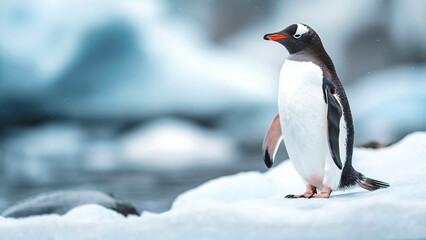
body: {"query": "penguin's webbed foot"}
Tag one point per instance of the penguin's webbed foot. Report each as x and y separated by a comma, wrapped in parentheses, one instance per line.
(305, 195)
(310, 192)
(295, 196)
(321, 195)
(326, 192)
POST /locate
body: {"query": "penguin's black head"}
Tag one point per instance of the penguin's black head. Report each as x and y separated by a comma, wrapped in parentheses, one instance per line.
(296, 38)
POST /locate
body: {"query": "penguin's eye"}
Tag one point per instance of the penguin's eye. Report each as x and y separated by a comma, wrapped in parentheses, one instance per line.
(297, 35)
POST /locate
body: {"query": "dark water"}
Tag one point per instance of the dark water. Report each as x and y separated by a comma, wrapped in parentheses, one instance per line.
(148, 190)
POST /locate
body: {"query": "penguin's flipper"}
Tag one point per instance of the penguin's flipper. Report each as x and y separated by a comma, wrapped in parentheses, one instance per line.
(272, 141)
(334, 114)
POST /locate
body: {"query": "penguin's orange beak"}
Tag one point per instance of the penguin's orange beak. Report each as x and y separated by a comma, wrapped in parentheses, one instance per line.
(274, 36)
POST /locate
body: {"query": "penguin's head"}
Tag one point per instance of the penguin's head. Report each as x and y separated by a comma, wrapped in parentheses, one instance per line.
(296, 38)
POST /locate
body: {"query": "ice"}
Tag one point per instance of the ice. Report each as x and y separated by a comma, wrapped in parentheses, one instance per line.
(407, 32)
(49, 140)
(251, 206)
(154, 60)
(46, 152)
(386, 103)
(34, 155)
(172, 144)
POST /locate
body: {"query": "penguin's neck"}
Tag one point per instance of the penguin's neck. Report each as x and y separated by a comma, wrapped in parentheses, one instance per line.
(317, 56)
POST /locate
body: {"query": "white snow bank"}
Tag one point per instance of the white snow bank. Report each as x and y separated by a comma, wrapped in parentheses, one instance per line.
(251, 206)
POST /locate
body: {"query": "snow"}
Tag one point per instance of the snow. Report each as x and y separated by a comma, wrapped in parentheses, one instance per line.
(92, 213)
(251, 206)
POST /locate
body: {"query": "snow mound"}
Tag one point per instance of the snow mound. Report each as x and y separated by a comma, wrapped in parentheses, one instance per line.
(251, 206)
(92, 213)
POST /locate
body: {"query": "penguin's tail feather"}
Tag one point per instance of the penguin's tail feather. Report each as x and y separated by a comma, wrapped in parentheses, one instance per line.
(371, 184)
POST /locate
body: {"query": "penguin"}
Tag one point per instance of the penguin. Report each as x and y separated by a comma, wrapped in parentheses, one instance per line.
(314, 118)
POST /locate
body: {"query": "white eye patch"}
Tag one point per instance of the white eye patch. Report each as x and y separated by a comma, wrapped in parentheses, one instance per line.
(301, 29)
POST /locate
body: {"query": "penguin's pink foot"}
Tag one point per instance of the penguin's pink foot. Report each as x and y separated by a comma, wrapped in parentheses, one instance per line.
(325, 193)
(321, 195)
(310, 191)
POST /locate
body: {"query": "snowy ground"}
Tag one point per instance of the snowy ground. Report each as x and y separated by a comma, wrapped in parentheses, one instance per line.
(251, 206)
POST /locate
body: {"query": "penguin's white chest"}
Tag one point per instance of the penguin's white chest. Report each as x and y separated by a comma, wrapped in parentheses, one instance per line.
(303, 118)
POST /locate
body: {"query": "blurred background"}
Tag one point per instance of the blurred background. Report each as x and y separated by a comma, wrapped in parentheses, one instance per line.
(147, 99)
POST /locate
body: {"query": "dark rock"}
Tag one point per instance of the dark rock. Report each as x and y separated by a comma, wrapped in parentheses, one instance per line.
(60, 202)
(373, 145)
